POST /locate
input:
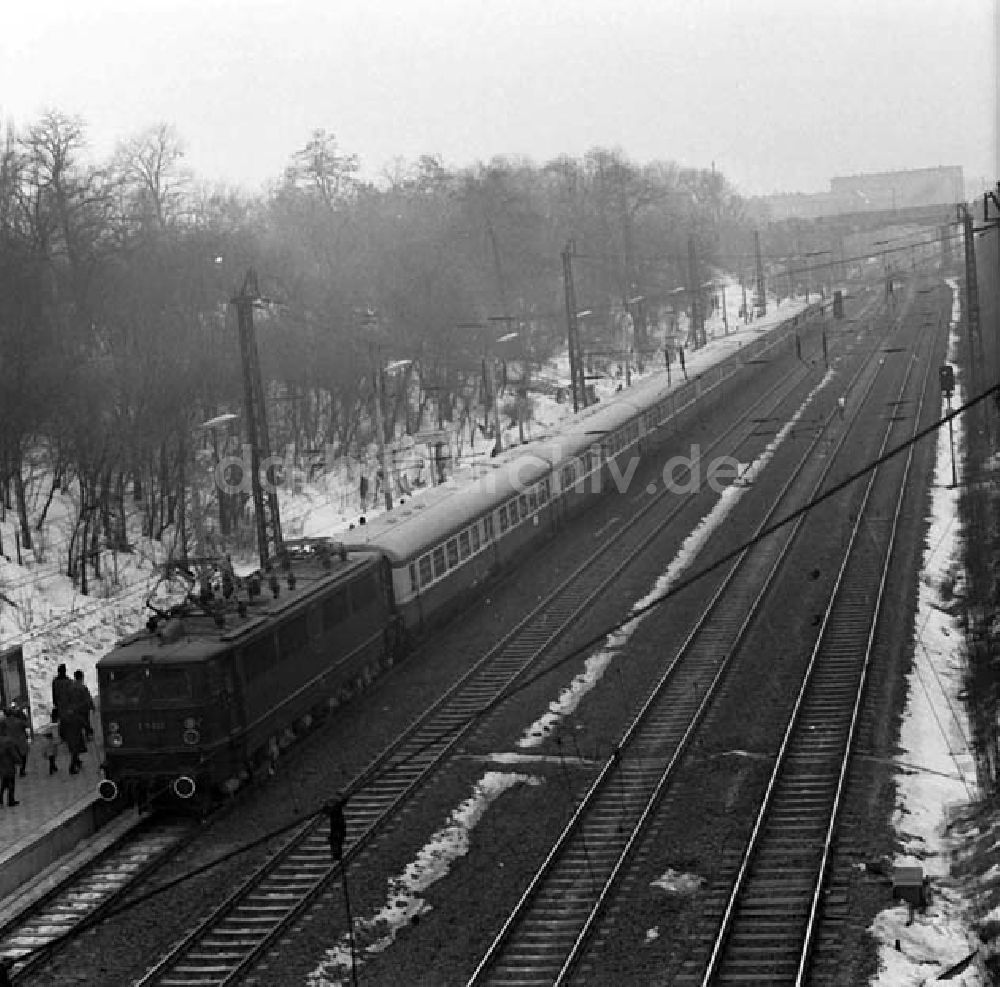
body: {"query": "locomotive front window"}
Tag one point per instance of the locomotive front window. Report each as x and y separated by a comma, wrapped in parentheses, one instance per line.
(170, 685)
(123, 687)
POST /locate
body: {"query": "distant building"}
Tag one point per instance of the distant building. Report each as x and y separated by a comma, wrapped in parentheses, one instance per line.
(878, 192)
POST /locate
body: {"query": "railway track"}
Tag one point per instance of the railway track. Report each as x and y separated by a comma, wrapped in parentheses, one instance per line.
(544, 936)
(234, 935)
(29, 939)
(772, 912)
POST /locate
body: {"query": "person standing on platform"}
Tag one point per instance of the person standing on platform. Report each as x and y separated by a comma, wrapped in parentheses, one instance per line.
(8, 766)
(17, 730)
(73, 721)
(61, 686)
(83, 701)
(48, 735)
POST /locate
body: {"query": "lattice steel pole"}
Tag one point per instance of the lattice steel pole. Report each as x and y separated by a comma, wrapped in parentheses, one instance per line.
(265, 503)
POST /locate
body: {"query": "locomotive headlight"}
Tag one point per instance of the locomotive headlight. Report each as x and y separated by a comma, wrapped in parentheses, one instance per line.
(190, 723)
(115, 740)
(191, 736)
(113, 727)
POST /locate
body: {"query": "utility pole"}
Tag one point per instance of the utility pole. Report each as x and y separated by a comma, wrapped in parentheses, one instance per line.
(573, 332)
(379, 423)
(760, 301)
(976, 356)
(268, 520)
(628, 326)
(697, 334)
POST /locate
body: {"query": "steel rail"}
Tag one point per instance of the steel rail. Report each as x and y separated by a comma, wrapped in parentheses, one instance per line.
(764, 953)
(530, 963)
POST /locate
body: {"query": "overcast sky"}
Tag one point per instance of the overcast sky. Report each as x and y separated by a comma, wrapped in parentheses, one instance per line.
(780, 94)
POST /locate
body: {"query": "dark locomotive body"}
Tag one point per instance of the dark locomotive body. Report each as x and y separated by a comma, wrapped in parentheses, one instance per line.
(190, 708)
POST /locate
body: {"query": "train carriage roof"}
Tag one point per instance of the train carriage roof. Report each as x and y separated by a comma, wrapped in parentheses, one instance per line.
(435, 515)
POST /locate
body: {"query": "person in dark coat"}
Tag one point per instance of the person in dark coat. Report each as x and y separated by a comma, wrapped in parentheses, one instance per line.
(9, 761)
(61, 685)
(83, 701)
(74, 721)
(17, 730)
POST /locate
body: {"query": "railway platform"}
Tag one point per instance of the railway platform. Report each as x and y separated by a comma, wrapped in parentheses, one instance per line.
(56, 812)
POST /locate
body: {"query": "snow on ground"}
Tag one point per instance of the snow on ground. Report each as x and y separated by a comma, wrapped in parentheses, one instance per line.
(935, 737)
(404, 903)
(616, 642)
(56, 624)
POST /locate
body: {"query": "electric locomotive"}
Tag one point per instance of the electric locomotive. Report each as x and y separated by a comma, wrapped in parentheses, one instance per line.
(213, 688)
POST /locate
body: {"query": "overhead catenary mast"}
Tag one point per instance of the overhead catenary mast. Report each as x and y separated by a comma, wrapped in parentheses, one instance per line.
(265, 503)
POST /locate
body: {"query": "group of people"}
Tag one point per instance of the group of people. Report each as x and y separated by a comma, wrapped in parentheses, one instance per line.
(70, 723)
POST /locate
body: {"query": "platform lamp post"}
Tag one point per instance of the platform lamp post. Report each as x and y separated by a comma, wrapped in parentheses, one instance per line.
(488, 367)
(369, 322)
(714, 283)
(390, 462)
(579, 383)
(505, 338)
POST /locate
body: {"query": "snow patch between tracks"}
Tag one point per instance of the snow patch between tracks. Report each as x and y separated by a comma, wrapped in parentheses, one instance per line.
(404, 903)
(596, 664)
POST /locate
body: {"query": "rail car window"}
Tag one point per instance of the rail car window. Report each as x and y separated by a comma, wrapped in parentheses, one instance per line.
(334, 610)
(568, 476)
(425, 570)
(440, 568)
(475, 537)
(522, 505)
(123, 687)
(463, 544)
(488, 528)
(414, 584)
(258, 656)
(364, 591)
(543, 491)
(293, 638)
(452, 551)
(504, 523)
(533, 499)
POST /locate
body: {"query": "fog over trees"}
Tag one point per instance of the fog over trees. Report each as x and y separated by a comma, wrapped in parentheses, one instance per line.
(117, 337)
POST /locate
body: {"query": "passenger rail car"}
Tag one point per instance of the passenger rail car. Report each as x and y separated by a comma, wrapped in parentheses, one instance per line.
(209, 692)
(443, 544)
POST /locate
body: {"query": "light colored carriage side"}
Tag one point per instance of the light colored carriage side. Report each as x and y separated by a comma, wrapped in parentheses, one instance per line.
(443, 544)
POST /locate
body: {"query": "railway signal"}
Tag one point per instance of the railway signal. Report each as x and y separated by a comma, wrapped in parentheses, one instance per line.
(946, 375)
